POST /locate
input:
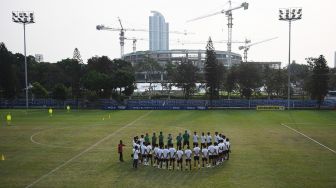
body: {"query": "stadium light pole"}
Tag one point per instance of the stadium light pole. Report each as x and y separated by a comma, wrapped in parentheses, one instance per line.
(289, 14)
(24, 17)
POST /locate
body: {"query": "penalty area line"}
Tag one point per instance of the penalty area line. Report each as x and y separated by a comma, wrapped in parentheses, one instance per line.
(308, 138)
(87, 149)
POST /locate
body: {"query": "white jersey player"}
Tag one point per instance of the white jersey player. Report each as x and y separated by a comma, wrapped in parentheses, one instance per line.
(179, 155)
(172, 154)
(204, 155)
(209, 139)
(195, 139)
(197, 152)
(211, 149)
(188, 153)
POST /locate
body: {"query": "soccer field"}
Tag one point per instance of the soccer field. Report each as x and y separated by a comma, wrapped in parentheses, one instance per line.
(79, 148)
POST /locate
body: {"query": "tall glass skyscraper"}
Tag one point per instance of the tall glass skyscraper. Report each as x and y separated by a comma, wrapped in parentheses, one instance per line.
(158, 32)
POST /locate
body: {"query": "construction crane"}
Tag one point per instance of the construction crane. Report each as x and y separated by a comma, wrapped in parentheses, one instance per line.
(205, 42)
(121, 34)
(122, 31)
(228, 13)
(134, 40)
(246, 47)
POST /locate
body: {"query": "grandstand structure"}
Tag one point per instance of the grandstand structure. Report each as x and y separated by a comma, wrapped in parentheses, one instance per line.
(270, 64)
(176, 56)
(181, 55)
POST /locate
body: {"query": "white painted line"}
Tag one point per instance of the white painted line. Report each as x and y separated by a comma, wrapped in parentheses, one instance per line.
(307, 124)
(86, 150)
(53, 128)
(309, 138)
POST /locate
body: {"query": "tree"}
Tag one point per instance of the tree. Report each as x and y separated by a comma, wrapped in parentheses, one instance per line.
(124, 76)
(39, 91)
(249, 79)
(231, 80)
(9, 81)
(170, 70)
(152, 69)
(77, 56)
(299, 74)
(280, 78)
(213, 72)
(319, 78)
(95, 81)
(271, 80)
(186, 77)
(72, 69)
(100, 64)
(100, 76)
(60, 92)
(332, 80)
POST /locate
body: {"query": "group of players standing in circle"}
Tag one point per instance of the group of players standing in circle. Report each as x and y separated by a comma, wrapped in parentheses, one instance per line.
(213, 150)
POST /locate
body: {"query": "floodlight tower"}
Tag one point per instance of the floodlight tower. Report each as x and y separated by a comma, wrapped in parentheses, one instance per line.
(289, 14)
(24, 17)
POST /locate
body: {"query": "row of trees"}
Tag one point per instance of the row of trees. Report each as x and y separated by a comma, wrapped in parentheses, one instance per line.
(68, 78)
(101, 77)
(313, 79)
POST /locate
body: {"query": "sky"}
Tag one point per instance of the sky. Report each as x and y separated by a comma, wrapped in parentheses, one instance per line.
(63, 25)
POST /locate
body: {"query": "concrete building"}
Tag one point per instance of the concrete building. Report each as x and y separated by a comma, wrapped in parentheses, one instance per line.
(158, 32)
(176, 56)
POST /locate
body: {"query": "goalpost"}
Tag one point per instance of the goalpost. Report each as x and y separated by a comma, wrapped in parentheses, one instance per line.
(264, 108)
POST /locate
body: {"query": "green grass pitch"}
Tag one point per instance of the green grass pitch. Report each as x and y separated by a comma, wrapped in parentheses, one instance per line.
(79, 148)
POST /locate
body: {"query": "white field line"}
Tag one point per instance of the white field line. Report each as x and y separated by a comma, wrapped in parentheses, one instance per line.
(309, 138)
(307, 124)
(86, 150)
(52, 128)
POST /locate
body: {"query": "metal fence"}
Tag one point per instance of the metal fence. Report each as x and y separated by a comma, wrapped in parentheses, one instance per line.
(176, 104)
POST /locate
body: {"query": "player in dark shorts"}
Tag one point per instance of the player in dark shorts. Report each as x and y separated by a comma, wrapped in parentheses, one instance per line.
(149, 153)
(204, 155)
(146, 138)
(154, 140)
(172, 154)
(188, 153)
(170, 140)
(166, 156)
(179, 155)
(186, 137)
(197, 152)
(161, 144)
(179, 141)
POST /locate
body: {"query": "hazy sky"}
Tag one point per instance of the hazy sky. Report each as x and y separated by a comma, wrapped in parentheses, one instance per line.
(62, 25)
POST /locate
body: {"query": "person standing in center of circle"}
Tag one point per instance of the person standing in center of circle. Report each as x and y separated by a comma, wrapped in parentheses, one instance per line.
(153, 140)
(170, 140)
(186, 137)
(161, 140)
(146, 138)
(179, 141)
